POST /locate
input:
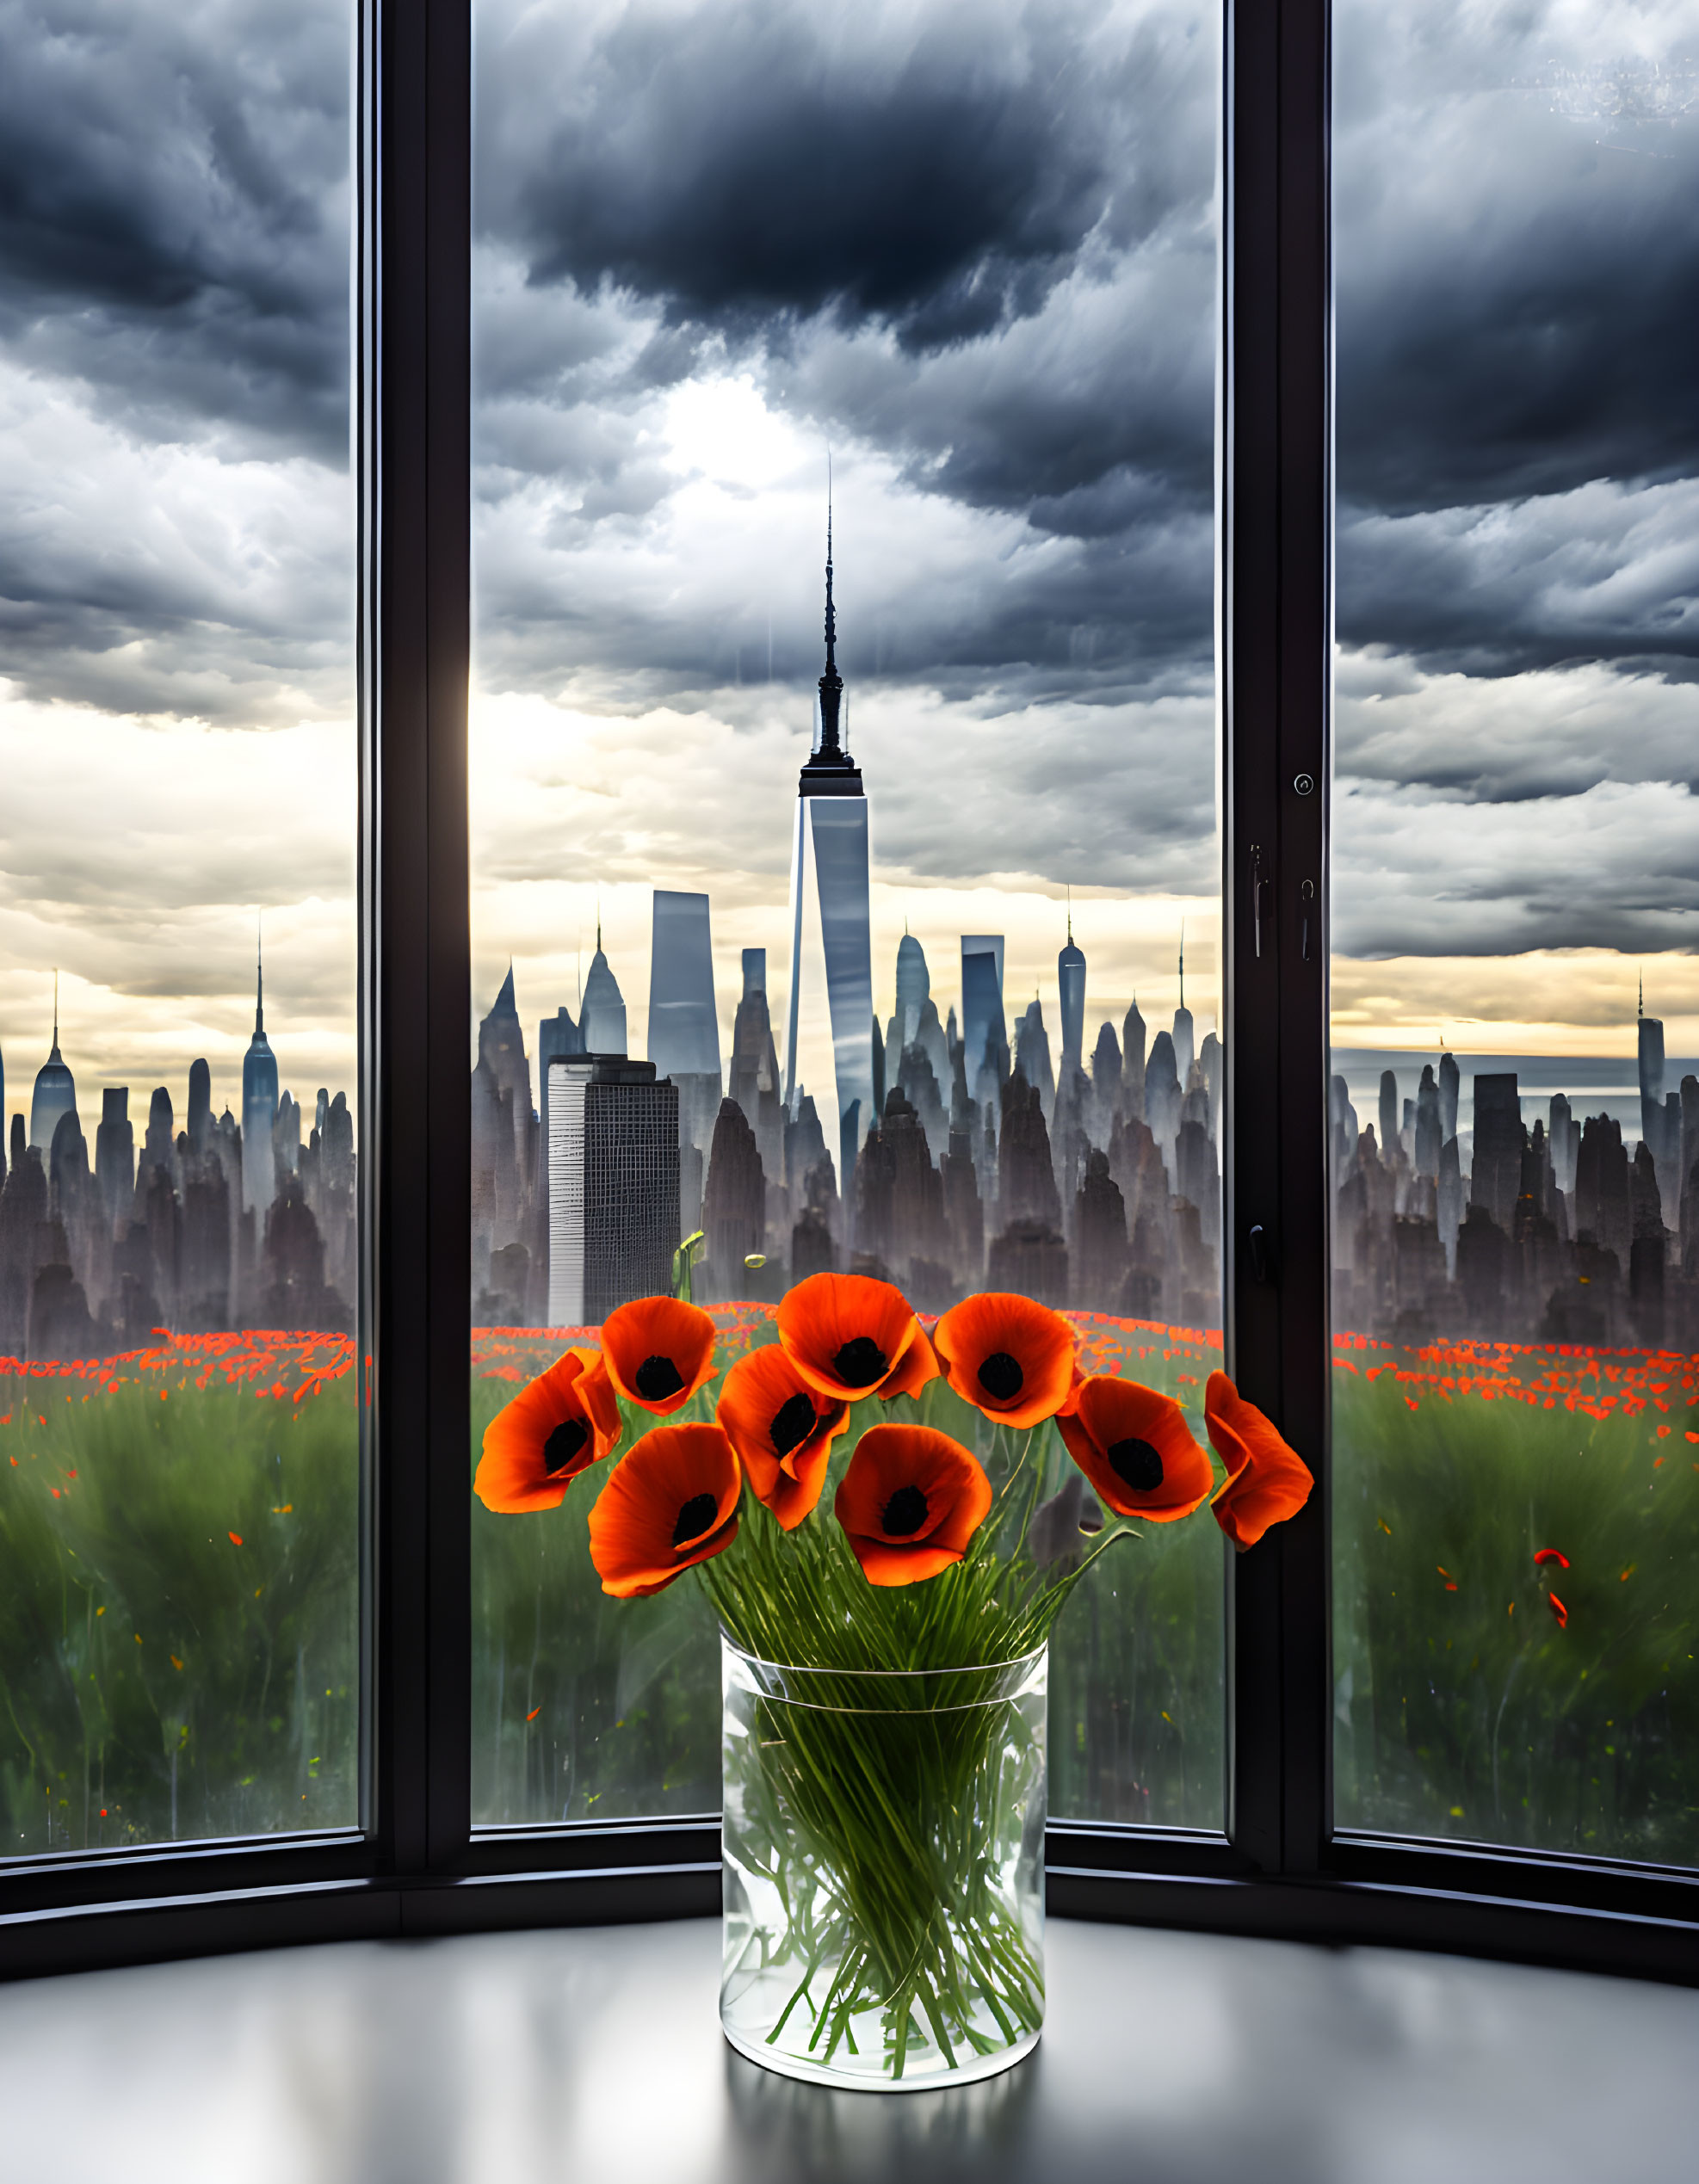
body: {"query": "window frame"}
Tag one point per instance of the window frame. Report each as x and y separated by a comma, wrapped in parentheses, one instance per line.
(417, 1866)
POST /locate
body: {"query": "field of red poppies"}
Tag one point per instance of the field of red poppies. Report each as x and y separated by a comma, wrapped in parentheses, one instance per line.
(1517, 1541)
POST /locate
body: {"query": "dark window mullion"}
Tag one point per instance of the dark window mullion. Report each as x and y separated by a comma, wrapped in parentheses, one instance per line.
(417, 955)
(1276, 521)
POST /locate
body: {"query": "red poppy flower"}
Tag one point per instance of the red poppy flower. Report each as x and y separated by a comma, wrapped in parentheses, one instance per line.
(1267, 1481)
(909, 1501)
(1137, 1450)
(671, 1501)
(1011, 1358)
(850, 1336)
(1558, 1610)
(782, 1430)
(565, 1421)
(658, 1352)
(1552, 1554)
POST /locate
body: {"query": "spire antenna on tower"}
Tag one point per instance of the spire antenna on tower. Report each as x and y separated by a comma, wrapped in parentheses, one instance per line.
(56, 1009)
(1183, 963)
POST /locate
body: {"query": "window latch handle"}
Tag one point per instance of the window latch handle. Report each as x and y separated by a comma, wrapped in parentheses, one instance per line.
(1306, 898)
(1257, 898)
(1258, 1243)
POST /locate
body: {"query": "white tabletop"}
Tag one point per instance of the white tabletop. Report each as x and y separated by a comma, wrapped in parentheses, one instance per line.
(595, 2054)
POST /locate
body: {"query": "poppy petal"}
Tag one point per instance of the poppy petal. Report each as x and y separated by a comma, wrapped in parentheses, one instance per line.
(1136, 1448)
(658, 1352)
(849, 1335)
(671, 1501)
(1558, 1610)
(1267, 1480)
(566, 1419)
(910, 1503)
(1552, 1554)
(917, 1364)
(1009, 1357)
(782, 1430)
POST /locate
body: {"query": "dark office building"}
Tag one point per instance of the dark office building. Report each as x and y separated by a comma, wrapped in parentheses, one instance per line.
(612, 1186)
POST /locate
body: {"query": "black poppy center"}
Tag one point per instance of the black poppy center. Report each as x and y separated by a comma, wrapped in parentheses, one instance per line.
(564, 1444)
(792, 1424)
(905, 1513)
(693, 1519)
(1001, 1377)
(860, 1363)
(1136, 1464)
(657, 1378)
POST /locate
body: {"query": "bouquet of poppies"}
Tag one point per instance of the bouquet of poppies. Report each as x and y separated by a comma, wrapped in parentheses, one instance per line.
(970, 1469)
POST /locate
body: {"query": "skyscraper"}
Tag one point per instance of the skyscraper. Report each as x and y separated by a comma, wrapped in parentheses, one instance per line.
(259, 1111)
(1071, 977)
(1649, 1040)
(981, 1000)
(613, 1185)
(602, 1014)
(831, 813)
(557, 1035)
(1185, 1045)
(683, 1023)
(55, 1089)
(914, 990)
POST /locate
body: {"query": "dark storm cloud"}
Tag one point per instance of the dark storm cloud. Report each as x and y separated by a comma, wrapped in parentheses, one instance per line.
(1518, 262)
(173, 211)
(749, 162)
(1604, 572)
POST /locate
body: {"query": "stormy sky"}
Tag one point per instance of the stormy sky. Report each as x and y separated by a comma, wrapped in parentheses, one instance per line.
(971, 249)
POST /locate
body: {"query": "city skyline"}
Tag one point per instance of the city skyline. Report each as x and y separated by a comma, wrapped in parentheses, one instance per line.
(1028, 483)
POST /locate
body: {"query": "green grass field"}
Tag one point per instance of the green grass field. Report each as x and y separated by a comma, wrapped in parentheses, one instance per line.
(179, 1608)
(1465, 1708)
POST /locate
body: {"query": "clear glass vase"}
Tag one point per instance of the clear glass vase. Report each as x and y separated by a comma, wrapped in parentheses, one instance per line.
(884, 1869)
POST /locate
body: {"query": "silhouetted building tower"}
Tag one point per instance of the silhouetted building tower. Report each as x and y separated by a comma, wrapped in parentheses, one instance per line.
(116, 1155)
(1185, 1045)
(612, 1186)
(1105, 1083)
(1032, 1054)
(734, 1204)
(601, 1013)
(200, 1106)
(55, 1089)
(1133, 1064)
(832, 814)
(755, 1067)
(1070, 979)
(1387, 1116)
(1495, 1175)
(1450, 1080)
(914, 991)
(259, 1110)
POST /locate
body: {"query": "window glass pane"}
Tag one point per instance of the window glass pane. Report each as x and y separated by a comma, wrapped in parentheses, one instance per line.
(179, 1447)
(971, 254)
(1516, 1108)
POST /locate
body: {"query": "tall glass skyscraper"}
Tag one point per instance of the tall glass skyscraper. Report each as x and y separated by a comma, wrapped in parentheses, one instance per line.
(831, 810)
